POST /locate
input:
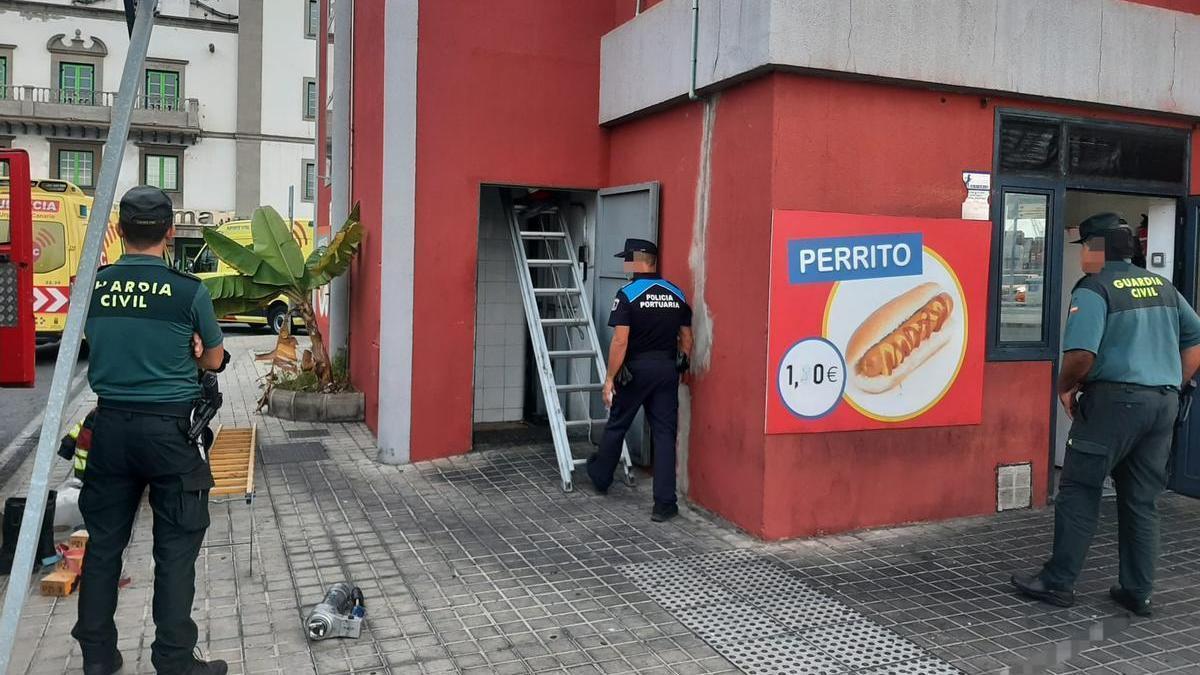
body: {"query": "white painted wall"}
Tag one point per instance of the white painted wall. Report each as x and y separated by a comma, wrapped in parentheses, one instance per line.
(209, 77)
(281, 167)
(288, 58)
(208, 177)
(39, 153)
(1110, 52)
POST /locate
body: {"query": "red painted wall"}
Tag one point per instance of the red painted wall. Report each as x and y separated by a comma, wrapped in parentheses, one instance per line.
(507, 92)
(366, 186)
(1191, 6)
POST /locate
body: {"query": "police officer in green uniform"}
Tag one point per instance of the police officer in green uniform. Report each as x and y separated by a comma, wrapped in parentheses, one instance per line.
(1130, 343)
(149, 328)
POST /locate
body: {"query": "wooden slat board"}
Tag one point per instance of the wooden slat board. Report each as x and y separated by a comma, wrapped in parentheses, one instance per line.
(232, 460)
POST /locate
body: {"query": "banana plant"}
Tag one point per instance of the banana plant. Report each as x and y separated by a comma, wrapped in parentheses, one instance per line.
(274, 265)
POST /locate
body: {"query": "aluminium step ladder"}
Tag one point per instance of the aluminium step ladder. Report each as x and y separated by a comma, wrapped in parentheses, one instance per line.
(561, 328)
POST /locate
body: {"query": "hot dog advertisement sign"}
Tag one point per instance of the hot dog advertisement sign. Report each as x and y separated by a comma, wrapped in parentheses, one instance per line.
(875, 322)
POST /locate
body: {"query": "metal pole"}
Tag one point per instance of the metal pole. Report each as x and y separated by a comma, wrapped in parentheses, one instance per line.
(68, 351)
(339, 203)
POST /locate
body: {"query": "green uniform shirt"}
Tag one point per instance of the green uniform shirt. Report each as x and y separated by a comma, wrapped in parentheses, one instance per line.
(1135, 322)
(139, 331)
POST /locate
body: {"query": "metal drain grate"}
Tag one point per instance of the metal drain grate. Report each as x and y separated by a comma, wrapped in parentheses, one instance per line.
(290, 453)
(783, 655)
(729, 622)
(928, 666)
(862, 644)
(307, 433)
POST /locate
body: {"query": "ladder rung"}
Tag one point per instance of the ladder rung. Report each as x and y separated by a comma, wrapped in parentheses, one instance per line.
(564, 322)
(570, 388)
(549, 262)
(572, 354)
(531, 234)
(579, 462)
(556, 291)
(583, 423)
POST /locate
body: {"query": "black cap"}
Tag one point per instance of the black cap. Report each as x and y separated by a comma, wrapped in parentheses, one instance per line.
(1099, 225)
(146, 205)
(637, 246)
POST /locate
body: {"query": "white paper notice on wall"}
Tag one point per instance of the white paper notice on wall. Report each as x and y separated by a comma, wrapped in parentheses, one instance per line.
(979, 186)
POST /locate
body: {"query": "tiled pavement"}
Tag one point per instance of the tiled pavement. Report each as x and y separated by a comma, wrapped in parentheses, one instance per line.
(479, 564)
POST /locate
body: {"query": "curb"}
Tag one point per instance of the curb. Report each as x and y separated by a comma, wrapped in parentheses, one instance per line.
(11, 457)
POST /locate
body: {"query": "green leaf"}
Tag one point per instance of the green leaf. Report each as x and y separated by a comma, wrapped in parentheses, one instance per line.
(273, 242)
(234, 254)
(328, 262)
(237, 294)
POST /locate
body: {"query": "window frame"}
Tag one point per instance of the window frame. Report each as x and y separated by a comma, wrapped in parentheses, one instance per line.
(6, 54)
(76, 98)
(312, 24)
(58, 146)
(176, 101)
(304, 165)
(146, 151)
(315, 99)
(1045, 349)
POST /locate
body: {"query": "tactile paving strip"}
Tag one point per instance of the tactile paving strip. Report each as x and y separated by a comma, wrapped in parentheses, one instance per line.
(729, 622)
(862, 644)
(928, 666)
(782, 655)
(766, 621)
(8, 295)
(804, 612)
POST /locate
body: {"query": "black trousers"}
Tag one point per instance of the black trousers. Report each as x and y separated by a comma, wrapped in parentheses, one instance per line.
(1125, 431)
(655, 387)
(131, 451)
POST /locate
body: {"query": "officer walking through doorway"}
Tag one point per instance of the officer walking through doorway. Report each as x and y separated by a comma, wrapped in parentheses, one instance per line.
(149, 328)
(1130, 344)
(651, 345)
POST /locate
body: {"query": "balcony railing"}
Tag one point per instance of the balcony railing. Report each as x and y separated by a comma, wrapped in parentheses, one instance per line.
(104, 99)
(83, 107)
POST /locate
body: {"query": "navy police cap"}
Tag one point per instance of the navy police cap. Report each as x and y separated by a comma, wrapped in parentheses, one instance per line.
(146, 205)
(637, 246)
(1099, 225)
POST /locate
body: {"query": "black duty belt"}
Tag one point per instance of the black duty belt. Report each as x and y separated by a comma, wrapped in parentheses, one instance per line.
(663, 355)
(182, 410)
(1105, 384)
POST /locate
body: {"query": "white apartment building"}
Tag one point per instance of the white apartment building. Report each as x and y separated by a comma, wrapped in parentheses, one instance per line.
(224, 121)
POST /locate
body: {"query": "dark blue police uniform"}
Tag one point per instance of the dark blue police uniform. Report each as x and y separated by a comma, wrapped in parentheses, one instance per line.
(654, 309)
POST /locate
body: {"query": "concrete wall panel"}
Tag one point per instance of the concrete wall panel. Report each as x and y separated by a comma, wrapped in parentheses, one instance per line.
(1109, 52)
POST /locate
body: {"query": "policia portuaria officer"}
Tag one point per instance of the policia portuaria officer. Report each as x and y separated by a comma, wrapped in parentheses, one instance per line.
(1131, 341)
(148, 329)
(651, 344)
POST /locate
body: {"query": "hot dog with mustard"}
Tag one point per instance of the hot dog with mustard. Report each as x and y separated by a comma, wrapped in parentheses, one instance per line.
(898, 337)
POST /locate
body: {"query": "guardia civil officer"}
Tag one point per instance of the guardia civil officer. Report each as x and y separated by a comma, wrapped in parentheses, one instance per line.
(651, 345)
(148, 329)
(1131, 341)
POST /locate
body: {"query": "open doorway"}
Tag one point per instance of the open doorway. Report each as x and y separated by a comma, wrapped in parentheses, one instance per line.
(508, 401)
(1154, 221)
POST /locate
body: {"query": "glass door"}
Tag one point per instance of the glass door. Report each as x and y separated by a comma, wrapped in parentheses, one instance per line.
(1185, 460)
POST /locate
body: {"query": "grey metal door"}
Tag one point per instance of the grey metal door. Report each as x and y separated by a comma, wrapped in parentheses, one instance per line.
(621, 213)
(1185, 464)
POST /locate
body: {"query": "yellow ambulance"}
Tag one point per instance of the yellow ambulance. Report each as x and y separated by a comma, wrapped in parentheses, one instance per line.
(60, 217)
(207, 264)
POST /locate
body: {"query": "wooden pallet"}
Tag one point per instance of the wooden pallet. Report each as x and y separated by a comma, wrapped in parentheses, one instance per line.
(232, 461)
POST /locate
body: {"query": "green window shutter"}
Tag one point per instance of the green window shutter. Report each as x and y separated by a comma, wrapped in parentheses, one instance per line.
(3, 77)
(75, 166)
(162, 171)
(162, 90)
(76, 83)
